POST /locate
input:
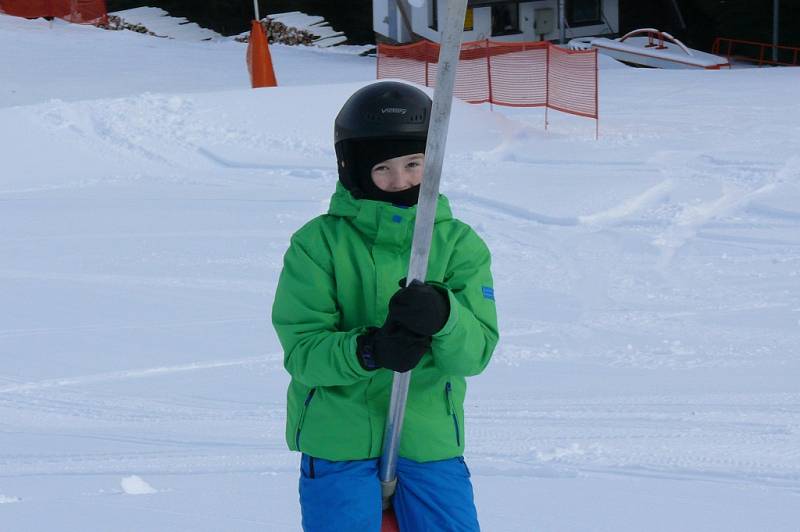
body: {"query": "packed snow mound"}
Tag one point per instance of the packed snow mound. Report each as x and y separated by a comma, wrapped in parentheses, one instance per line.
(5, 499)
(135, 485)
(163, 24)
(324, 34)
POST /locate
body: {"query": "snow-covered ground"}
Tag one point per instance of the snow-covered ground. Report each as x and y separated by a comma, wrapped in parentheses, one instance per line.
(71, 62)
(648, 285)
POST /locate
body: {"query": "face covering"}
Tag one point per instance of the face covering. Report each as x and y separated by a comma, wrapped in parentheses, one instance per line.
(368, 153)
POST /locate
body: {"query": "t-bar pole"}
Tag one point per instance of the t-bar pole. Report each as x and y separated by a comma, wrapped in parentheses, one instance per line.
(449, 51)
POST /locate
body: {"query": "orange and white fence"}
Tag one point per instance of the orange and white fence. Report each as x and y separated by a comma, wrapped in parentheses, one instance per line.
(78, 11)
(526, 74)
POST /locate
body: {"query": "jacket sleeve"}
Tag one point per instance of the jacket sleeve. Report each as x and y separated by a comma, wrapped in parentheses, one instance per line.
(306, 318)
(465, 344)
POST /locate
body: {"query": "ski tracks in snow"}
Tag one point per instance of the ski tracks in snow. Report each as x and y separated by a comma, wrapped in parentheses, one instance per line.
(136, 373)
(734, 439)
(741, 183)
(134, 281)
(170, 134)
(657, 278)
(148, 433)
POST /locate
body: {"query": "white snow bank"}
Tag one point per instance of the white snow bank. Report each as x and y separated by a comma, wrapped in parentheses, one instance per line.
(635, 49)
(163, 24)
(45, 63)
(315, 25)
(135, 485)
(5, 499)
(630, 205)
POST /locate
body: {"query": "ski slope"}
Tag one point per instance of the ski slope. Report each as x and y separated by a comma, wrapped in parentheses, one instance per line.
(648, 287)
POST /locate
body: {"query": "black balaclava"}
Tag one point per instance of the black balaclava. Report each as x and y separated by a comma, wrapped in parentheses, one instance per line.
(367, 153)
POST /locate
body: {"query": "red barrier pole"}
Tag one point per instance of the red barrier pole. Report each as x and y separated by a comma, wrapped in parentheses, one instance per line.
(596, 98)
(427, 55)
(547, 84)
(489, 74)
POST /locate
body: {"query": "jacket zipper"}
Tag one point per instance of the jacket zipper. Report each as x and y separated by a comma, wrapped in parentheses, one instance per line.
(302, 417)
(452, 411)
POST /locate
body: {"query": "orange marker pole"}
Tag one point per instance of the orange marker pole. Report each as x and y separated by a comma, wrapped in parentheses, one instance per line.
(259, 61)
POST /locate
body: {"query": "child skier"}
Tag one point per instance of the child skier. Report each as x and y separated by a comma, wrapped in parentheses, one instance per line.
(346, 321)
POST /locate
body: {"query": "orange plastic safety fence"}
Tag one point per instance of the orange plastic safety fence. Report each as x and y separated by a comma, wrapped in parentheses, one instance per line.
(78, 11)
(519, 73)
(572, 81)
(527, 74)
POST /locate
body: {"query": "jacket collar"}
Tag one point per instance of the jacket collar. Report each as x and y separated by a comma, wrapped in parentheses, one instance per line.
(382, 222)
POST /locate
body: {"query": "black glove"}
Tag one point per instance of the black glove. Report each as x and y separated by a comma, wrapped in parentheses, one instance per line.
(419, 307)
(392, 347)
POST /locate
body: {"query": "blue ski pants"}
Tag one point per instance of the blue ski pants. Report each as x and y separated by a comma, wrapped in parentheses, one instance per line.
(346, 496)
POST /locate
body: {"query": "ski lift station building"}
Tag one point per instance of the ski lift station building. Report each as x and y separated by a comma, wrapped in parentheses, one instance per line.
(402, 21)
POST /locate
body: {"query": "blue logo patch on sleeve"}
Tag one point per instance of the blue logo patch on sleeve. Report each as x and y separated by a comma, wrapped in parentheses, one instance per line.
(488, 292)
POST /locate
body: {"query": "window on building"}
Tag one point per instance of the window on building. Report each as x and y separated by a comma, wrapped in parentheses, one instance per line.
(433, 14)
(505, 18)
(584, 12)
(469, 25)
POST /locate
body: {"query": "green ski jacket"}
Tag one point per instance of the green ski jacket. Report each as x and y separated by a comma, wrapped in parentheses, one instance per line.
(339, 273)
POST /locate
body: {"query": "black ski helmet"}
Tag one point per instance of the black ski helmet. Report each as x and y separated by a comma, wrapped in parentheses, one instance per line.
(386, 110)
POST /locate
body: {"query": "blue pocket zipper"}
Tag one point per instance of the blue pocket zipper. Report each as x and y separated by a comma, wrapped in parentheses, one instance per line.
(448, 389)
(303, 417)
